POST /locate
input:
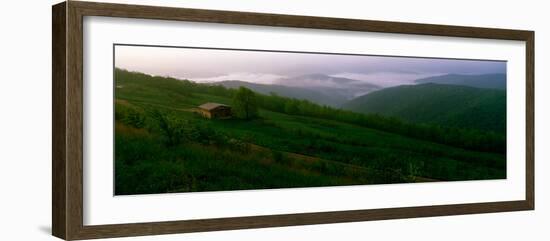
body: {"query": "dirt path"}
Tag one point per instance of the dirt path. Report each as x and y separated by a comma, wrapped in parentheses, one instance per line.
(311, 160)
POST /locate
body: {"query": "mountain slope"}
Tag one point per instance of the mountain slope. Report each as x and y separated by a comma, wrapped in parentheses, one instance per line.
(486, 81)
(318, 96)
(446, 105)
(329, 85)
(322, 80)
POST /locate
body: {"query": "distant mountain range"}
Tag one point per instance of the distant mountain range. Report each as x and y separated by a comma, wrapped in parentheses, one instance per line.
(486, 81)
(448, 105)
(314, 95)
(323, 80)
(342, 87)
(317, 88)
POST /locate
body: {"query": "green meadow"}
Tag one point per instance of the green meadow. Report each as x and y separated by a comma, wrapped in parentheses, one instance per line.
(163, 145)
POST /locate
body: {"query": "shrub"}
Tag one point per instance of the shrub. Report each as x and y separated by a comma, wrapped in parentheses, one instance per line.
(130, 116)
(239, 145)
(173, 129)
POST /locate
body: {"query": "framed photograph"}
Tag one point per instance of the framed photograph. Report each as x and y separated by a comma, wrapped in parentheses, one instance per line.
(171, 120)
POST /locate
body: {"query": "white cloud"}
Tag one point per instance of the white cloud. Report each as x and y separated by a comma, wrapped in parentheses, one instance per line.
(248, 77)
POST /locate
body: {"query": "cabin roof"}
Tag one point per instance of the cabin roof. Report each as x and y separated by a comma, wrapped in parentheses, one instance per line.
(211, 106)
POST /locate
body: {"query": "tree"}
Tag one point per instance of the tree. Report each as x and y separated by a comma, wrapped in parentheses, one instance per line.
(245, 105)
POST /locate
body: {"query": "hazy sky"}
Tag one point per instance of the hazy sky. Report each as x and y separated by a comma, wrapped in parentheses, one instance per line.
(206, 65)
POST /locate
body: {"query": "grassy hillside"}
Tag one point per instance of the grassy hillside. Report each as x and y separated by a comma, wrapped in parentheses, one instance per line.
(486, 81)
(447, 105)
(161, 145)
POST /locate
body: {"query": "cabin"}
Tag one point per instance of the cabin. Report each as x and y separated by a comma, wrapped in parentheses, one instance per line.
(215, 111)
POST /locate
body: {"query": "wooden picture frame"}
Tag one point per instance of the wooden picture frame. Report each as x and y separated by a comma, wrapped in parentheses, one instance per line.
(67, 152)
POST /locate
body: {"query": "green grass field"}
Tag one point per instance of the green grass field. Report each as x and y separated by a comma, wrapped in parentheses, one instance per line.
(162, 146)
